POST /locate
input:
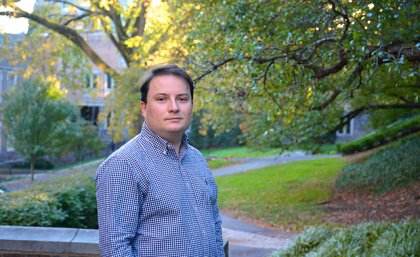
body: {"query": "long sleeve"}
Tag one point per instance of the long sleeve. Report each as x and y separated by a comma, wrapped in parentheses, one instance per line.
(119, 202)
(217, 223)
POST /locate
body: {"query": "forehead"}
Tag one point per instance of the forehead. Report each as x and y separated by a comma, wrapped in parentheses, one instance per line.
(168, 84)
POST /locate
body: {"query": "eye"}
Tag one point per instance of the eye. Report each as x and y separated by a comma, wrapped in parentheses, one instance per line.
(161, 99)
(183, 99)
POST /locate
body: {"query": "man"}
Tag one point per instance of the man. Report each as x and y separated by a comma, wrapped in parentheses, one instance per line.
(156, 194)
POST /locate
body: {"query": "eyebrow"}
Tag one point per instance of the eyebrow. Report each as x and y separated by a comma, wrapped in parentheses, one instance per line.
(165, 94)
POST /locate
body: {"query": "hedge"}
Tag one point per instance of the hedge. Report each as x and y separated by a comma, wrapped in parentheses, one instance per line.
(366, 239)
(65, 202)
(381, 137)
(386, 170)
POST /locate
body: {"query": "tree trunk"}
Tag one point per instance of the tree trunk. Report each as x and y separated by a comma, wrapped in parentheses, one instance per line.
(32, 169)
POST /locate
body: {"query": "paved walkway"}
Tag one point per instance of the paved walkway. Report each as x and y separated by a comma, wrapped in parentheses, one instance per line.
(244, 240)
(250, 241)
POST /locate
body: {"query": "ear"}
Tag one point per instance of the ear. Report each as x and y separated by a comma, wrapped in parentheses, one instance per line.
(143, 108)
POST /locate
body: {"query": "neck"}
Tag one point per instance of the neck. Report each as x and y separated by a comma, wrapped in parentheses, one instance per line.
(175, 141)
(177, 148)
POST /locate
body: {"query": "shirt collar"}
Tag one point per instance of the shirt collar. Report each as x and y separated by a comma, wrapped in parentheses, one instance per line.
(161, 144)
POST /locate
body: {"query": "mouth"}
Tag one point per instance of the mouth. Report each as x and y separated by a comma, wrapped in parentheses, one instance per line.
(174, 119)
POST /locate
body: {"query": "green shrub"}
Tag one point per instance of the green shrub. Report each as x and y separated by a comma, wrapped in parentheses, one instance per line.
(381, 137)
(363, 240)
(77, 205)
(29, 209)
(399, 240)
(354, 241)
(306, 242)
(40, 164)
(63, 202)
(386, 170)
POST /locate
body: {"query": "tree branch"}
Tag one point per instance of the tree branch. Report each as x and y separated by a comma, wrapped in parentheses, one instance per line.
(68, 33)
(213, 68)
(330, 100)
(80, 17)
(140, 23)
(323, 72)
(346, 18)
(71, 4)
(265, 84)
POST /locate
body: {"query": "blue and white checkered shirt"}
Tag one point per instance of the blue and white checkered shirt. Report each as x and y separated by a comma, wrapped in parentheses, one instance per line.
(153, 203)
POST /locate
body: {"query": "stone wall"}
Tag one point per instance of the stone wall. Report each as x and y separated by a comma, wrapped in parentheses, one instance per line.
(19, 241)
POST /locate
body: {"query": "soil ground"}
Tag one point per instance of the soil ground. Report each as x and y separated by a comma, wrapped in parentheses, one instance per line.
(353, 207)
(349, 207)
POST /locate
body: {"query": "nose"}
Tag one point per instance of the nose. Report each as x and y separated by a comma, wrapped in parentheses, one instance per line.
(173, 105)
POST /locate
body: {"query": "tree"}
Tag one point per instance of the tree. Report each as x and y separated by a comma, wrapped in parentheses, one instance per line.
(144, 32)
(296, 71)
(39, 120)
(288, 72)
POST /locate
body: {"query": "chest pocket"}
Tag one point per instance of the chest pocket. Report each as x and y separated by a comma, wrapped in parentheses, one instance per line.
(204, 191)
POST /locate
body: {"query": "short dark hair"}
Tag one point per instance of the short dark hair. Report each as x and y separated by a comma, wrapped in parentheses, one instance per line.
(170, 69)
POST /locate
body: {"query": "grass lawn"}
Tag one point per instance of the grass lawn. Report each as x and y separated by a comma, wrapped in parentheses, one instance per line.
(239, 152)
(218, 163)
(286, 196)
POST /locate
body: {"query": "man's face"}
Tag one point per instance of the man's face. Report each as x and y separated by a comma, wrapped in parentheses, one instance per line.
(168, 110)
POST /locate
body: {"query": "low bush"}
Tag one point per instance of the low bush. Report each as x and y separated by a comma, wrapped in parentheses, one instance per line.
(306, 242)
(381, 137)
(30, 209)
(367, 239)
(64, 202)
(40, 164)
(393, 167)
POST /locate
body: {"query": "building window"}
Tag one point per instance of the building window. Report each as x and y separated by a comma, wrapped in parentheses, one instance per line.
(11, 79)
(94, 80)
(91, 80)
(90, 113)
(109, 82)
(346, 129)
(87, 81)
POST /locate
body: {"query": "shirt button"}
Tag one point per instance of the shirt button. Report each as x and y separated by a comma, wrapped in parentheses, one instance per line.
(204, 232)
(195, 208)
(188, 185)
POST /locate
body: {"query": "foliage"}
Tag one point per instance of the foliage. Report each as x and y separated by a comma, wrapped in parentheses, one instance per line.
(326, 149)
(290, 72)
(367, 239)
(143, 33)
(79, 206)
(65, 202)
(382, 118)
(84, 138)
(306, 242)
(286, 195)
(40, 164)
(208, 138)
(294, 72)
(381, 136)
(29, 209)
(386, 170)
(45, 54)
(38, 119)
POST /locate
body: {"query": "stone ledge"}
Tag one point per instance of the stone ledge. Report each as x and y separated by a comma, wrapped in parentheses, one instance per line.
(21, 241)
(53, 241)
